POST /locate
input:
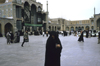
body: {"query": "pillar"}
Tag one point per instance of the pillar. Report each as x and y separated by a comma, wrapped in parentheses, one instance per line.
(2, 29)
(51, 28)
(74, 28)
(30, 29)
(56, 28)
(14, 15)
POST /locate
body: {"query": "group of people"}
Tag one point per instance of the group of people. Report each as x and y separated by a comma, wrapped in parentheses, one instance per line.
(53, 46)
(88, 35)
(45, 33)
(12, 38)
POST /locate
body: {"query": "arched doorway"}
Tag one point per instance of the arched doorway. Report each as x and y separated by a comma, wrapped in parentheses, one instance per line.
(72, 28)
(33, 16)
(82, 28)
(76, 28)
(67, 28)
(87, 27)
(26, 12)
(98, 24)
(49, 28)
(8, 27)
(58, 28)
(79, 28)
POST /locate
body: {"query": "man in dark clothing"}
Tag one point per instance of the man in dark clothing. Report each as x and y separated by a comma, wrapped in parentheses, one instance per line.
(15, 37)
(18, 36)
(81, 37)
(25, 38)
(53, 50)
(12, 36)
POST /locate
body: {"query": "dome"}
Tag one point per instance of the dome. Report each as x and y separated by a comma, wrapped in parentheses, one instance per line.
(2, 1)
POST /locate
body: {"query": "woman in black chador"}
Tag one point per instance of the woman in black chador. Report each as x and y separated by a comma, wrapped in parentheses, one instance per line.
(53, 50)
(81, 37)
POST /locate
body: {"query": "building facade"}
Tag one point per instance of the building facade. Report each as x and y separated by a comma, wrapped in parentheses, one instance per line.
(26, 15)
(77, 25)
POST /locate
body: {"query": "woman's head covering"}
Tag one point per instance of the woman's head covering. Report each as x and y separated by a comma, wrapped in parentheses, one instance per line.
(55, 34)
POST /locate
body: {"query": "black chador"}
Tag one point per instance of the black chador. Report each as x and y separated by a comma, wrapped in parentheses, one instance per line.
(81, 37)
(53, 50)
(87, 34)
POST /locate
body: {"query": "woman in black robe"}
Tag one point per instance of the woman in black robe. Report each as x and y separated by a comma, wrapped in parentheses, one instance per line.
(53, 50)
(87, 34)
(81, 37)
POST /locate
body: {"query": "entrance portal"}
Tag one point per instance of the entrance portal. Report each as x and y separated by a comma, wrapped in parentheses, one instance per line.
(8, 27)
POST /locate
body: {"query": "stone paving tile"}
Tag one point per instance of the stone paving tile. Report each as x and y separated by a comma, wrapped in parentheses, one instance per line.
(74, 53)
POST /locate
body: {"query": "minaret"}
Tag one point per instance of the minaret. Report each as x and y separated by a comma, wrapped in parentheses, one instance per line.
(94, 10)
(47, 17)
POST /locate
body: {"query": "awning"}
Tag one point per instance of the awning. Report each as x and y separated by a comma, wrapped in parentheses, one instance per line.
(38, 25)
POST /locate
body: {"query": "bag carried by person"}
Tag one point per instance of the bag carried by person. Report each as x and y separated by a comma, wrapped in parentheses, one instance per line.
(26, 40)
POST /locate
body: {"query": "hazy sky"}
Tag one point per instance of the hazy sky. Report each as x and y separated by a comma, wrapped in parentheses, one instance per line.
(71, 9)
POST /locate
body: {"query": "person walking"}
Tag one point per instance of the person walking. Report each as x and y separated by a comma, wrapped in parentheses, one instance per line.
(90, 34)
(53, 50)
(8, 35)
(81, 37)
(99, 37)
(12, 36)
(47, 33)
(25, 38)
(15, 38)
(43, 34)
(18, 36)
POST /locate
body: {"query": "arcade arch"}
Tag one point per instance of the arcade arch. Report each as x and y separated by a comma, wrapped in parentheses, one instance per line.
(8, 27)
(72, 28)
(67, 28)
(26, 12)
(33, 14)
(87, 27)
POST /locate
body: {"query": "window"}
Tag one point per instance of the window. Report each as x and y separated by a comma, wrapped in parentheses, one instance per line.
(39, 19)
(58, 21)
(39, 9)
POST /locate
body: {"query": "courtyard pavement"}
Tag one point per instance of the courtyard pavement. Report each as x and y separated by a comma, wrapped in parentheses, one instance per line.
(74, 53)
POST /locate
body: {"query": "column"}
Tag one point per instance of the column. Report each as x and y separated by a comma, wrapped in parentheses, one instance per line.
(51, 28)
(84, 27)
(42, 30)
(2, 29)
(56, 28)
(30, 29)
(37, 28)
(74, 28)
(61, 27)
(14, 15)
(69, 28)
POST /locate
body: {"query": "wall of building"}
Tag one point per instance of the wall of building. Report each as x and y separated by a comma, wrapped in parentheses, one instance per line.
(68, 25)
(6, 25)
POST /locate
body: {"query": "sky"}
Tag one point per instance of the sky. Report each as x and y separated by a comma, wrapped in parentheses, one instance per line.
(71, 9)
